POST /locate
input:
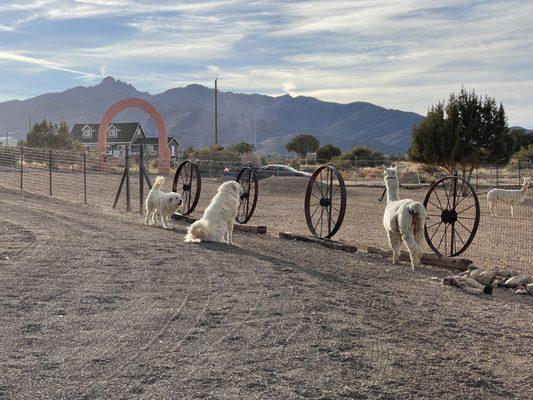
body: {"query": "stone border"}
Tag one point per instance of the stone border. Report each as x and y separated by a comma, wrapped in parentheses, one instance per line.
(259, 229)
(331, 244)
(453, 263)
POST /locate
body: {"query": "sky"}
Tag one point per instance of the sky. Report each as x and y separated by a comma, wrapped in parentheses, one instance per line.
(398, 54)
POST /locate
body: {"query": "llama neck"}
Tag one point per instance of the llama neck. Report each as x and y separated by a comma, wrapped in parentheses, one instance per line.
(393, 190)
(524, 188)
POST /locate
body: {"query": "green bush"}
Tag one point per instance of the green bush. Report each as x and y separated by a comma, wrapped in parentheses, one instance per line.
(295, 164)
(341, 164)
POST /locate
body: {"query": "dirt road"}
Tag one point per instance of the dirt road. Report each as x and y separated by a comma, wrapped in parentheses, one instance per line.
(94, 305)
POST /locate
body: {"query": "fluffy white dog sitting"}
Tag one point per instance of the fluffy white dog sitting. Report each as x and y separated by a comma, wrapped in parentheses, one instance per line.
(216, 225)
(161, 203)
(403, 219)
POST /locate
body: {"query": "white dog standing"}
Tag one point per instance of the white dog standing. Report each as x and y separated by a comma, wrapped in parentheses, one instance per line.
(161, 203)
(216, 225)
(403, 219)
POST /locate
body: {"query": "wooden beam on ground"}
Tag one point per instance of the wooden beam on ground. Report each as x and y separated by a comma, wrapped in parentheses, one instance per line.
(323, 242)
(454, 263)
(259, 229)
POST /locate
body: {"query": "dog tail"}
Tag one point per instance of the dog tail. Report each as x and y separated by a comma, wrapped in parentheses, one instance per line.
(158, 183)
(419, 215)
(196, 232)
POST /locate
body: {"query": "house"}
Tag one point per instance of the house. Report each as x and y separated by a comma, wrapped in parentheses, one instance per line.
(151, 145)
(118, 136)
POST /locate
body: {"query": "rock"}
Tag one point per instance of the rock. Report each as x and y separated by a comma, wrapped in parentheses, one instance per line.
(469, 285)
(529, 288)
(464, 273)
(505, 273)
(521, 290)
(496, 283)
(517, 280)
(483, 276)
(472, 267)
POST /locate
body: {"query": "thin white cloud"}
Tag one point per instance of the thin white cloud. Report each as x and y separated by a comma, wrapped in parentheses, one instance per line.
(4, 55)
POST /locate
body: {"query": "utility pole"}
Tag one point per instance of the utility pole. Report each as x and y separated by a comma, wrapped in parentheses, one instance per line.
(216, 114)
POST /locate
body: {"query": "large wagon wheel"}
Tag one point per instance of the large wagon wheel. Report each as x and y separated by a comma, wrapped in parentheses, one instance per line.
(452, 208)
(325, 202)
(248, 181)
(188, 183)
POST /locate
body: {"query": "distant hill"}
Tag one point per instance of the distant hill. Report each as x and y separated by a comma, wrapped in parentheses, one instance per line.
(188, 112)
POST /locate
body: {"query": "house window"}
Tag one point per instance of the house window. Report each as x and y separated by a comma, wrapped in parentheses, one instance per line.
(150, 148)
(87, 133)
(112, 133)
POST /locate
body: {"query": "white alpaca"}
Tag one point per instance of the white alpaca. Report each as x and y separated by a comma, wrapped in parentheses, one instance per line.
(403, 219)
(511, 197)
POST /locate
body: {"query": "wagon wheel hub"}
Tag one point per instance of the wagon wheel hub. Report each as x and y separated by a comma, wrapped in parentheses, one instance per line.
(187, 187)
(325, 202)
(448, 216)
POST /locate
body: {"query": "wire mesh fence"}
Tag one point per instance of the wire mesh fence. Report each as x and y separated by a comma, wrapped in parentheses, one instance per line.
(501, 241)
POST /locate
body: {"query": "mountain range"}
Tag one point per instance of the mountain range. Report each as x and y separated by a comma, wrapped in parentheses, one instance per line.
(267, 121)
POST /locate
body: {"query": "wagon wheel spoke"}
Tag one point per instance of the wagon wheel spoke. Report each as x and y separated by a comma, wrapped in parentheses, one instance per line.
(438, 199)
(445, 231)
(436, 206)
(429, 226)
(319, 188)
(469, 207)
(447, 195)
(462, 199)
(460, 238)
(469, 231)
(436, 230)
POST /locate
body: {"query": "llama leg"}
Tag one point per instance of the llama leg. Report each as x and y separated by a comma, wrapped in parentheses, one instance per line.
(413, 248)
(512, 211)
(419, 237)
(395, 241)
(147, 217)
(490, 208)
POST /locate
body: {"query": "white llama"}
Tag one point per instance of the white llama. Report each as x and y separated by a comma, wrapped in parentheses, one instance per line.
(511, 197)
(403, 219)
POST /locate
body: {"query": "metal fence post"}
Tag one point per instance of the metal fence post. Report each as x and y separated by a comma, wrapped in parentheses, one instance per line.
(519, 172)
(21, 166)
(141, 181)
(50, 171)
(84, 177)
(497, 178)
(128, 204)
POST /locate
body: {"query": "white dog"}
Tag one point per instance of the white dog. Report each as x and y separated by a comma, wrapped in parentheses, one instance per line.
(161, 203)
(403, 219)
(216, 225)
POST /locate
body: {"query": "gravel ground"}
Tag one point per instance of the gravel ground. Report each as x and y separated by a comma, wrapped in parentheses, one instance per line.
(95, 305)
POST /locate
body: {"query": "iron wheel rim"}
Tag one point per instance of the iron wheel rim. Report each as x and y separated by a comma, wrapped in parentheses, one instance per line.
(456, 214)
(329, 198)
(247, 178)
(188, 183)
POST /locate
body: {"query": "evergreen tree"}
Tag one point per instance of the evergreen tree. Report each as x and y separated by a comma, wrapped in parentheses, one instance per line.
(302, 144)
(327, 152)
(462, 134)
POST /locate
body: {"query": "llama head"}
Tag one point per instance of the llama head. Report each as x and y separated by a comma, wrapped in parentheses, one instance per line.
(527, 181)
(389, 173)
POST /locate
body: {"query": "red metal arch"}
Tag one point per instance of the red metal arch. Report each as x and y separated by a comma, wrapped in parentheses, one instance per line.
(163, 153)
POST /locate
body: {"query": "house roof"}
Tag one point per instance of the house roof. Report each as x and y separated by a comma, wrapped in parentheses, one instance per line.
(125, 134)
(155, 140)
